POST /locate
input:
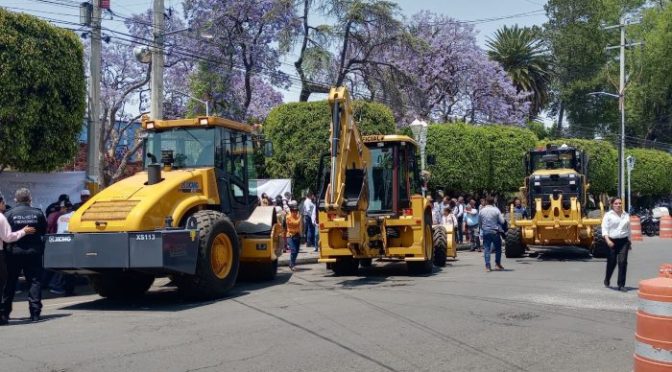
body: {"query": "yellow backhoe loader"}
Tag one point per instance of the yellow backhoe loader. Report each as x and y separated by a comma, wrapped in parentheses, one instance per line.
(369, 206)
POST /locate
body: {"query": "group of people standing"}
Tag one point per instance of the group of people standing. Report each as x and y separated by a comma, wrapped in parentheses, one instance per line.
(485, 224)
(298, 220)
(22, 231)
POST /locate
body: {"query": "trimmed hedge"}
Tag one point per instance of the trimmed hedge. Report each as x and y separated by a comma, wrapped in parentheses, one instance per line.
(652, 175)
(478, 158)
(602, 162)
(300, 135)
(42, 94)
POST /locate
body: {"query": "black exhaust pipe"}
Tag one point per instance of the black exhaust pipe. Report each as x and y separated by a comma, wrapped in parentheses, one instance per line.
(153, 170)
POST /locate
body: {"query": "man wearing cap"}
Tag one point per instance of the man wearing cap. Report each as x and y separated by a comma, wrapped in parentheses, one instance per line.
(55, 205)
(84, 196)
(25, 255)
(7, 236)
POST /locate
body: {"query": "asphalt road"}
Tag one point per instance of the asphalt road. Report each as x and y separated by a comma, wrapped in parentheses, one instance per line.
(549, 313)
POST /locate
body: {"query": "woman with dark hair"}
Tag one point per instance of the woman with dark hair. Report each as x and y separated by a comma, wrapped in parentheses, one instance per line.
(616, 232)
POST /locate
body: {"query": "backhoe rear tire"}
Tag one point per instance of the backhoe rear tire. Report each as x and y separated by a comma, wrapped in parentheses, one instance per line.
(515, 248)
(121, 285)
(345, 266)
(427, 266)
(218, 258)
(599, 248)
(440, 245)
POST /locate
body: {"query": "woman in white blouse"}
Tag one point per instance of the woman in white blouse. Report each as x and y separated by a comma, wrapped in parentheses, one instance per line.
(616, 232)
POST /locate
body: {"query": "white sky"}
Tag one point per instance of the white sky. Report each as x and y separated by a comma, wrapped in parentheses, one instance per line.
(481, 12)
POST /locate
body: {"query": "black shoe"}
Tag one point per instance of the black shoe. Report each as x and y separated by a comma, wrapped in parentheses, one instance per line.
(622, 289)
(35, 318)
(4, 320)
(606, 283)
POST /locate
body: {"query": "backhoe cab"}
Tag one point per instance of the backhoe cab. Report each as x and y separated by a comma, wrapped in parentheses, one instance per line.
(190, 215)
(369, 201)
(556, 190)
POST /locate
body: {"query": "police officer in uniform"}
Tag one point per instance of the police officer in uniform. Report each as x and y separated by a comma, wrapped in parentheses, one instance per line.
(25, 254)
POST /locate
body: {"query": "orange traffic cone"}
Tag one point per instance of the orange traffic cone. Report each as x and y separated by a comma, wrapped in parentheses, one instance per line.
(666, 227)
(635, 228)
(653, 345)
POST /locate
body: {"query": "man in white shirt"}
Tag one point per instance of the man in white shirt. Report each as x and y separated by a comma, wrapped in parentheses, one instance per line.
(308, 212)
(459, 214)
(616, 232)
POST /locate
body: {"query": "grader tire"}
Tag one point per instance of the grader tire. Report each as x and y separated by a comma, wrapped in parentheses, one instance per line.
(345, 266)
(599, 248)
(218, 258)
(440, 246)
(514, 243)
(121, 285)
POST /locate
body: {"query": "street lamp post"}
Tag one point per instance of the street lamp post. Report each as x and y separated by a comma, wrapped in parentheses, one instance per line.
(631, 165)
(419, 129)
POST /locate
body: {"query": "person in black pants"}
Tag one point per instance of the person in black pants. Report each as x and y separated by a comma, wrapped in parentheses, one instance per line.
(25, 255)
(616, 232)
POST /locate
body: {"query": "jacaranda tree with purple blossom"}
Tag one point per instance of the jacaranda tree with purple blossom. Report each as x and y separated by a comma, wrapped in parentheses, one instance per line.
(247, 39)
(450, 78)
(125, 90)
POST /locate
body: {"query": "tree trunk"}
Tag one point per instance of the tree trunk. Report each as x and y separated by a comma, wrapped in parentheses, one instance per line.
(561, 114)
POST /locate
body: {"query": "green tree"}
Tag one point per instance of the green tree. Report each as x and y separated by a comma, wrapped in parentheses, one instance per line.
(651, 175)
(300, 135)
(582, 65)
(524, 57)
(42, 99)
(648, 100)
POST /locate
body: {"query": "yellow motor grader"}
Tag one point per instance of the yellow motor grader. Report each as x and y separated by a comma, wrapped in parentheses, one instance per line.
(556, 189)
(190, 215)
(369, 206)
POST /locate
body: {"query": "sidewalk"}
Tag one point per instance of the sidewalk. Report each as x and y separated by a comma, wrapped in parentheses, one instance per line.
(307, 256)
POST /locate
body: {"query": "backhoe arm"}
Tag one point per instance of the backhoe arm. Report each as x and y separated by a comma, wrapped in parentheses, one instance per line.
(347, 184)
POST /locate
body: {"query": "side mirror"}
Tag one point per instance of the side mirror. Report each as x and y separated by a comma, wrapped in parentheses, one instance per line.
(268, 149)
(431, 159)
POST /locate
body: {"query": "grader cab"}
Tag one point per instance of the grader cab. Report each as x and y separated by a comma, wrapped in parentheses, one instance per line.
(190, 215)
(556, 190)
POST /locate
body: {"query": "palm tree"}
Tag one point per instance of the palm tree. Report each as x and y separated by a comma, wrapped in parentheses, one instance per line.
(521, 52)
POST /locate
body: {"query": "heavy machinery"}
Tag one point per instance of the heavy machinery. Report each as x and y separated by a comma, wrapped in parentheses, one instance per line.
(191, 217)
(368, 204)
(556, 189)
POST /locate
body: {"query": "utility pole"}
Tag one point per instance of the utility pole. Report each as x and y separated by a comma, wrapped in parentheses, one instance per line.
(621, 100)
(156, 109)
(621, 105)
(93, 159)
